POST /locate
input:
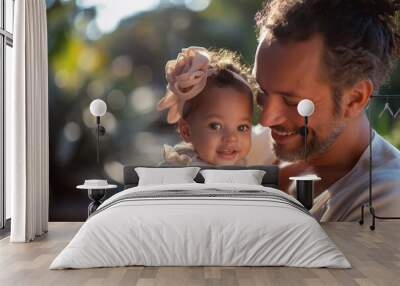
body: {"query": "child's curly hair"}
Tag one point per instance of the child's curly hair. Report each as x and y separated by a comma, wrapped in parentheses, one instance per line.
(227, 63)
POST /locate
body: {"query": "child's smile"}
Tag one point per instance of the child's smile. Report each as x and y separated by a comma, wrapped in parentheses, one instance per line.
(228, 153)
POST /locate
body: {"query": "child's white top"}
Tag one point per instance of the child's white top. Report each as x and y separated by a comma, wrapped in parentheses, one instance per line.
(182, 154)
(261, 152)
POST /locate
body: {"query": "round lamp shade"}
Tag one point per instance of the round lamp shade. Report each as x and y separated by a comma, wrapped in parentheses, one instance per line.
(98, 107)
(305, 107)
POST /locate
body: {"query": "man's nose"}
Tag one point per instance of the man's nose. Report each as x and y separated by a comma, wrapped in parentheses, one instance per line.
(273, 112)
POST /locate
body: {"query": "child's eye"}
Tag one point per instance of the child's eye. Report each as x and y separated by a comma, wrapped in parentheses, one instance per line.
(215, 126)
(243, 128)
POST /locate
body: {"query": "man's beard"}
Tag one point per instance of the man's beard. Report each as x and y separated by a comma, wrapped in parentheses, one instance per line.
(315, 146)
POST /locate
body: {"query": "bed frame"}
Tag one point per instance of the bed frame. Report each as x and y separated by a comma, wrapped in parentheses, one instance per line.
(270, 179)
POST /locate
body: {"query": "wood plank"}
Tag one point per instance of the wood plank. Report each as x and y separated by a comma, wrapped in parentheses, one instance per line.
(375, 257)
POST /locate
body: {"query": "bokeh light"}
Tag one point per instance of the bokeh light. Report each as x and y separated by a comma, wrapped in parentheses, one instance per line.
(143, 100)
(72, 131)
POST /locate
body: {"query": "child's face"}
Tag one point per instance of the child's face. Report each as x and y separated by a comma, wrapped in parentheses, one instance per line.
(220, 126)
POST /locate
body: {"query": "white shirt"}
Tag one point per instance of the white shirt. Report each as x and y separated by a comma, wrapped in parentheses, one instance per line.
(342, 201)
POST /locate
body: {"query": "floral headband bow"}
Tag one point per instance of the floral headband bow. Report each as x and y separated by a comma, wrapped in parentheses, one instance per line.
(187, 77)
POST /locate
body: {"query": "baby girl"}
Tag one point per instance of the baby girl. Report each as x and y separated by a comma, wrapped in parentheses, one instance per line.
(210, 97)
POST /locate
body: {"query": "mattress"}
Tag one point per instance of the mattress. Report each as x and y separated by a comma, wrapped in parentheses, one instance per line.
(201, 225)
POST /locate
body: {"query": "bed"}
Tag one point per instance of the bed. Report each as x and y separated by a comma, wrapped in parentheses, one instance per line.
(201, 224)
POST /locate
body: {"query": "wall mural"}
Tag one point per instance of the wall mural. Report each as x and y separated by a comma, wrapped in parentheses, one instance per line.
(120, 55)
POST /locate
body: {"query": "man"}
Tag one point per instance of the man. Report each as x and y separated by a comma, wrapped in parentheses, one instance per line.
(336, 53)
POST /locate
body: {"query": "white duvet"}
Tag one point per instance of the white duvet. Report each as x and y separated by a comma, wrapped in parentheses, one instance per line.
(183, 231)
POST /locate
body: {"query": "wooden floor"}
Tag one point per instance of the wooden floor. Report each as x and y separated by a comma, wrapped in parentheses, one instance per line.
(375, 257)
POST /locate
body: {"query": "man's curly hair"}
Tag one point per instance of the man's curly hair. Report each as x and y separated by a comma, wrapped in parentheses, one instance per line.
(361, 37)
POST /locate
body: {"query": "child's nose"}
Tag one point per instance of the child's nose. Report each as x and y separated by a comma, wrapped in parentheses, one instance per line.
(230, 136)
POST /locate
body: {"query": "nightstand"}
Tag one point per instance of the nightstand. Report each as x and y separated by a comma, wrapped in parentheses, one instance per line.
(96, 191)
(305, 189)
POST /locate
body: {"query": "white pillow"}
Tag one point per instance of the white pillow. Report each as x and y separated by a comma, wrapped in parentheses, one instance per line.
(162, 176)
(248, 177)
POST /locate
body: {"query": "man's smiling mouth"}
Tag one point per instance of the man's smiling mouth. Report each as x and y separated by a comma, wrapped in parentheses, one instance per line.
(284, 133)
(282, 137)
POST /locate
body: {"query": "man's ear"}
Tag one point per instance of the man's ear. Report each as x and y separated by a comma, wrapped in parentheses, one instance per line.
(184, 130)
(356, 98)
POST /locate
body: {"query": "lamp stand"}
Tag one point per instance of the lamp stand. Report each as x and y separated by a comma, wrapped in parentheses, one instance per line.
(305, 137)
(98, 138)
(100, 131)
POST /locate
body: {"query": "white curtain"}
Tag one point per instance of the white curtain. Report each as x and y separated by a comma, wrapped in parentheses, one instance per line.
(27, 143)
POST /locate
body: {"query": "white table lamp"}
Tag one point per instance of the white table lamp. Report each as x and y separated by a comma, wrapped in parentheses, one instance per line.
(305, 108)
(98, 108)
(305, 184)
